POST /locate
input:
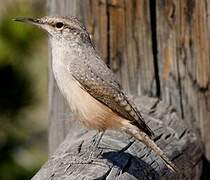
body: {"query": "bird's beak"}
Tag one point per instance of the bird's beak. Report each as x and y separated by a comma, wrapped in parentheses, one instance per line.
(39, 22)
(33, 21)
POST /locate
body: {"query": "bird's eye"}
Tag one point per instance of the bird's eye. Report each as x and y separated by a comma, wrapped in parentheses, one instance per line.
(59, 25)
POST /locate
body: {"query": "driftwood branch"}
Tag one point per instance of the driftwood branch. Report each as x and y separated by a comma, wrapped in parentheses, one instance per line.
(117, 158)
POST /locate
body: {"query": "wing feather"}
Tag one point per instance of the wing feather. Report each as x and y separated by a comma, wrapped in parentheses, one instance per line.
(100, 82)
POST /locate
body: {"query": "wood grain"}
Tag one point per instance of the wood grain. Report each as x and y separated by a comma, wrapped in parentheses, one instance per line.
(157, 48)
(115, 158)
(184, 63)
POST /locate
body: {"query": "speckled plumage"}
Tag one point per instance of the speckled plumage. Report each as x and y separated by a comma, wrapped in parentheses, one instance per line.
(92, 89)
(89, 86)
(99, 81)
(79, 59)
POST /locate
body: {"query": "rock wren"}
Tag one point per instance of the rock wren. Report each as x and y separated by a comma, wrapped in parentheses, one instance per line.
(89, 86)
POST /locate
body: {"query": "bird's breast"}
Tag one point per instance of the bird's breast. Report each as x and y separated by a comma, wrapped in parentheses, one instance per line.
(92, 113)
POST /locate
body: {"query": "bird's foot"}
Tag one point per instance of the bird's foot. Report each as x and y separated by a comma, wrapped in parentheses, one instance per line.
(96, 140)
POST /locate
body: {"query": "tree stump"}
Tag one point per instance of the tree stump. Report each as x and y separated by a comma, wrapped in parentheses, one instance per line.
(117, 158)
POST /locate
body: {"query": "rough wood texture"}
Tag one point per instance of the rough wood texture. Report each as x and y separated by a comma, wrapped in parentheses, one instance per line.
(183, 29)
(128, 35)
(116, 159)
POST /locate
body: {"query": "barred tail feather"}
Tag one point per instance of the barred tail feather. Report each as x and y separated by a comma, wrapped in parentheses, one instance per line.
(144, 138)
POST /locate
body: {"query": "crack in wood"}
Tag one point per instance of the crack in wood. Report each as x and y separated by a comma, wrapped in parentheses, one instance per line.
(167, 136)
(108, 36)
(153, 13)
(182, 134)
(157, 137)
(104, 177)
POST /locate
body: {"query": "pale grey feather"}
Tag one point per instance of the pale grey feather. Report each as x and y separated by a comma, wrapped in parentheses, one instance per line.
(100, 82)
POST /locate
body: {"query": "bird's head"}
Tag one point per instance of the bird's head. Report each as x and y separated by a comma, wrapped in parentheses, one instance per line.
(60, 28)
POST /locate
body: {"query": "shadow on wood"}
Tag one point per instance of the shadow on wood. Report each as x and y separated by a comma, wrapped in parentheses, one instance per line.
(117, 158)
(206, 169)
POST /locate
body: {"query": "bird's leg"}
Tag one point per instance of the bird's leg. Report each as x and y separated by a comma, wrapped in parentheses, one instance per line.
(96, 140)
(89, 156)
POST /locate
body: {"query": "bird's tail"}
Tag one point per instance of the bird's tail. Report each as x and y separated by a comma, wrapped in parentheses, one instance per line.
(144, 138)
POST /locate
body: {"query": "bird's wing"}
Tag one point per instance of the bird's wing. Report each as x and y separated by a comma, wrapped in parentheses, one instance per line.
(100, 82)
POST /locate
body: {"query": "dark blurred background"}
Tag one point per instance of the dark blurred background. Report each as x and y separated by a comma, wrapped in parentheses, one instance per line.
(23, 91)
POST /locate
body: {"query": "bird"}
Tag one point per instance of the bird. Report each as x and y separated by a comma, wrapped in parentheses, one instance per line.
(89, 86)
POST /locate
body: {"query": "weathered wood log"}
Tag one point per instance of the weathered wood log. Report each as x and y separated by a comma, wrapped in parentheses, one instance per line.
(116, 158)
